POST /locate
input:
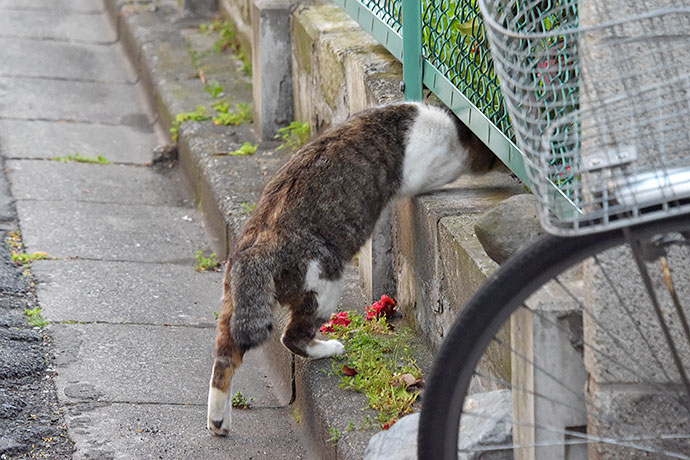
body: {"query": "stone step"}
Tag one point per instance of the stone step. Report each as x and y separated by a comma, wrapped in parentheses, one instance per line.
(439, 263)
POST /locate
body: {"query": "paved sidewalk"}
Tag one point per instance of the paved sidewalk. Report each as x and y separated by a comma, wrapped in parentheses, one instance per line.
(132, 322)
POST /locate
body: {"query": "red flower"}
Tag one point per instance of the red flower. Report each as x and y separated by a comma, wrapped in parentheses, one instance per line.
(336, 318)
(384, 307)
(389, 423)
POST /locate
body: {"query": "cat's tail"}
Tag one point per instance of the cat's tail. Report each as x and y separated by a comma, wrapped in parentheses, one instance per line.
(246, 321)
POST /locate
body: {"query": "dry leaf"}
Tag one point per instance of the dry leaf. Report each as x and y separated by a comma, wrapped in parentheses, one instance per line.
(349, 371)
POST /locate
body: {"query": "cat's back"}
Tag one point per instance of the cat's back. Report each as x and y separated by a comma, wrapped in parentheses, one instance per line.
(347, 171)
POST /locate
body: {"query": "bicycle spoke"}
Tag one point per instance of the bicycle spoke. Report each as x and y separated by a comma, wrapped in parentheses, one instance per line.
(657, 309)
(590, 408)
(629, 314)
(584, 438)
(668, 280)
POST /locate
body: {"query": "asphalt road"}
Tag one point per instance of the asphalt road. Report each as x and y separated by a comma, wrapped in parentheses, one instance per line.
(32, 424)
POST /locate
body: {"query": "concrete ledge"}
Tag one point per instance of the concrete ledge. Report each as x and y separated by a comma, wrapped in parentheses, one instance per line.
(438, 260)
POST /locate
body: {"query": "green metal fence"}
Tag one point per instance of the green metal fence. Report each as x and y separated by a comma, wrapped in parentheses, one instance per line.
(442, 46)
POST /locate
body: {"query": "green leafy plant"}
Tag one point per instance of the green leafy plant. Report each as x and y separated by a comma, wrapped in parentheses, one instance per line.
(245, 149)
(203, 263)
(214, 89)
(221, 106)
(243, 114)
(248, 207)
(21, 258)
(227, 35)
(335, 435)
(216, 315)
(197, 57)
(246, 62)
(294, 136)
(198, 115)
(35, 318)
(79, 158)
(378, 363)
(240, 402)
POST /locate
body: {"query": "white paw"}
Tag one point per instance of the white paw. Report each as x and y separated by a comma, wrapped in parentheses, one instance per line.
(219, 417)
(318, 349)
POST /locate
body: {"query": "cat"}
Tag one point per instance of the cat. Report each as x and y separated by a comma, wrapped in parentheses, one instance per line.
(313, 217)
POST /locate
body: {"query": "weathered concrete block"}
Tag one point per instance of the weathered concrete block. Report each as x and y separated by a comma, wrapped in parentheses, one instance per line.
(199, 7)
(338, 69)
(464, 267)
(622, 323)
(376, 271)
(508, 227)
(419, 270)
(638, 416)
(271, 66)
(547, 340)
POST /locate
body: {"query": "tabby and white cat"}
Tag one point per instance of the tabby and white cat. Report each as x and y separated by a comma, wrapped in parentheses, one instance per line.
(314, 216)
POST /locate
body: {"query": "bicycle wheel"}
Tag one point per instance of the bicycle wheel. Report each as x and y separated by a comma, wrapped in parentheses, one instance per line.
(594, 348)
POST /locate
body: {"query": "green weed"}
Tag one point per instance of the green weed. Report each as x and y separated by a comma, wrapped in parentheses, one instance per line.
(379, 364)
(227, 35)
(248, 207)
(246, 62)
(335, 435)
(35, 318)
(240, 402)
(214, 89)
(79, 158)
(243, 114)
(294, 136)
(227, 39)
(198, 115)
(246, 149)
(21, 258)
(197, 57)
(209, 263)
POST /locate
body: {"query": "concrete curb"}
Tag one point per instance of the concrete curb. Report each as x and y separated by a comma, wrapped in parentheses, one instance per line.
(155, 41)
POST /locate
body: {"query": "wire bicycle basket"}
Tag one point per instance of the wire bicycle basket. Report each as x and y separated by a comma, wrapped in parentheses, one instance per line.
(600, 106)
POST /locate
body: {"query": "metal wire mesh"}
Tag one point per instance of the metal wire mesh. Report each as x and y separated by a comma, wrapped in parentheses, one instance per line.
(454, 42)
(388, 11)
(599, 105)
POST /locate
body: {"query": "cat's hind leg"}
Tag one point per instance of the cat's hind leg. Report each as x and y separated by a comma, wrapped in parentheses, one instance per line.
(309, 312)
(228, 359)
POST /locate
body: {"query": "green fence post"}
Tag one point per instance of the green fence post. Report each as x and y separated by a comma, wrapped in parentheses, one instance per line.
(412, 49)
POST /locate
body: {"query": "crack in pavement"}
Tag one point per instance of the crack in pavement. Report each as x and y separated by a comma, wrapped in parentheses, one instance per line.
(71, 79)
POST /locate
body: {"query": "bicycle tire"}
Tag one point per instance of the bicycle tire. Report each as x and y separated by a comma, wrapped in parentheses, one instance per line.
(487, 312)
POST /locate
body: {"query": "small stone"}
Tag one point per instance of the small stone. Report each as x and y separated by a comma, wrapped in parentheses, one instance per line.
(9, 445)
(399, 442)
(508, 227)
(164, 154)
(491, 426)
